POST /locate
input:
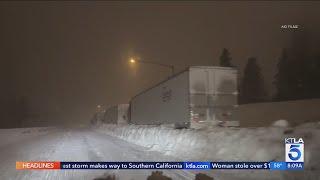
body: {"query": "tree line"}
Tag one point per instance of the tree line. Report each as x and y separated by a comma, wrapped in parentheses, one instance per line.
(297, 77)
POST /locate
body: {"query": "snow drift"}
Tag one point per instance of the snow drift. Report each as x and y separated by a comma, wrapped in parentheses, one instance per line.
(12, 136)
(222, 144)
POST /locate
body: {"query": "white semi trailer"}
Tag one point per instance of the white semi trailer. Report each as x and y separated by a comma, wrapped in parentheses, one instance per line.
(117, 114)
(196, 97)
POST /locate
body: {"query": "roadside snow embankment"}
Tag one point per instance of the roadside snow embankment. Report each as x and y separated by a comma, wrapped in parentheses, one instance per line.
(12, 136)
(221, 144)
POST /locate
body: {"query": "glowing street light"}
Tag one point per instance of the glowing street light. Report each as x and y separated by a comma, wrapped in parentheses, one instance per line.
(132, 61)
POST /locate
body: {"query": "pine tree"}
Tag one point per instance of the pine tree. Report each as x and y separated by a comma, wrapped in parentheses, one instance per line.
(225, 59)
(252, 85)
(282, 78)
(298, 71)
(297, 77)
(312, 78)
(298, 66)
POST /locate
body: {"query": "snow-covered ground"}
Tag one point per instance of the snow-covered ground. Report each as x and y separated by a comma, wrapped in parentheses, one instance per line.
(56, 144)
(12, 136)
(151, 143)
(228, 144)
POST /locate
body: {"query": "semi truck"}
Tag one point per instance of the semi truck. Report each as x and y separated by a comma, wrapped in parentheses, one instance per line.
(196, 97)
(117, 114)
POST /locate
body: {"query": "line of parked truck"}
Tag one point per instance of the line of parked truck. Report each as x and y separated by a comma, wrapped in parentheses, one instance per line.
(196, 97)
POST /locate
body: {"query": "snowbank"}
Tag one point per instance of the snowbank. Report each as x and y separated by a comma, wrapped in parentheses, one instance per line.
(12, 136)
(222, 144)
(281, 123)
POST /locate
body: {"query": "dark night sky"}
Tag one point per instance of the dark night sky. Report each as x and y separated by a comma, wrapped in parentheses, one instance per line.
(66, 57)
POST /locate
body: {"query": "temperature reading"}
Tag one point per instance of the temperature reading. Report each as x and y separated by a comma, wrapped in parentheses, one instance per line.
(277, 165)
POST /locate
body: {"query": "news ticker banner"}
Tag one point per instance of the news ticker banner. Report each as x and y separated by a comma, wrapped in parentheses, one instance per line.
(44, 165)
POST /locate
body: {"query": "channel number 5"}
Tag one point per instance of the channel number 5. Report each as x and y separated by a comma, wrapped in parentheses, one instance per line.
(294, 152)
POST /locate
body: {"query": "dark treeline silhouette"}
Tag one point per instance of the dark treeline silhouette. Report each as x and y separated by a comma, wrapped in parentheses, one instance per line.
(297, 78)
(298, 71)
(225, 58)
(282, 78)
(21, 110)
(14, 111)
(252, 89)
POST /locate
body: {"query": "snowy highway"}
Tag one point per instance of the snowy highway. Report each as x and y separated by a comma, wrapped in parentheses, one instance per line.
(74, 145)
(112, 143)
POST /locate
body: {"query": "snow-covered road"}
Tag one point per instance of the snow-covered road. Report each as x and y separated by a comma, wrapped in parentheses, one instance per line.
(74, 145)
(89, 144)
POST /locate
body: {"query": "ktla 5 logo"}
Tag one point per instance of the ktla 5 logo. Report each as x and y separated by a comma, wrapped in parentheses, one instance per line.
(294, 150)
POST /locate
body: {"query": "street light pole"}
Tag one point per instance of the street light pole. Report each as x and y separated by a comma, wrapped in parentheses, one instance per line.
(132, 60)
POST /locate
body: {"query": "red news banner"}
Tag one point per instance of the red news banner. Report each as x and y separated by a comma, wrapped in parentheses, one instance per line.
(37, 165)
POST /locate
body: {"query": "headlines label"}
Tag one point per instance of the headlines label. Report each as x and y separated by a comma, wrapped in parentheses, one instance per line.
(38, 165)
